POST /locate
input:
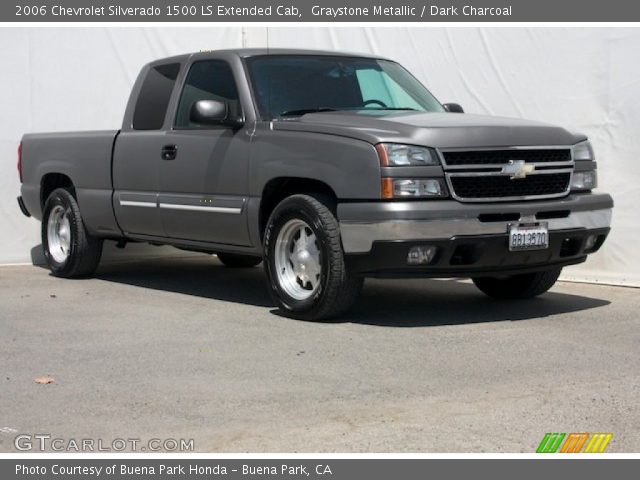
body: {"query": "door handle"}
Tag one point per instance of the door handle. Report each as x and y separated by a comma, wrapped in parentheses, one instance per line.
(169, 152)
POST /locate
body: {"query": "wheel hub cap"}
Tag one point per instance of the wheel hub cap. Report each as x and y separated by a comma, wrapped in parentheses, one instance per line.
(59, 234)
(297, 260)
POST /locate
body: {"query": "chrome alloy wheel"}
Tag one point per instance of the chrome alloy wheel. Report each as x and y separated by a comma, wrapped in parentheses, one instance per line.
(59, 234)
(297, 260)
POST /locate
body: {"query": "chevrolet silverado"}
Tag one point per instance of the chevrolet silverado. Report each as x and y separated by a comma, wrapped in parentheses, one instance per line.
(327, 167)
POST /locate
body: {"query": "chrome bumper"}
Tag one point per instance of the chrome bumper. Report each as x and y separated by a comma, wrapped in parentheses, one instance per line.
(358, 235)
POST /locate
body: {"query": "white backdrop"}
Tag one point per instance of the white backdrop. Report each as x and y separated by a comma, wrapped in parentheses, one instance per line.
(584, 79)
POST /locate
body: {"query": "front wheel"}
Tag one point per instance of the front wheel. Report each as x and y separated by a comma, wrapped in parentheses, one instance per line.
(70, 250)
(304, 261)
(526, 285)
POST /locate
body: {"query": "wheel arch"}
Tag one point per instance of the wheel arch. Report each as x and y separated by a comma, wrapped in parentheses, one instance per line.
(279, 188)
(53, 180)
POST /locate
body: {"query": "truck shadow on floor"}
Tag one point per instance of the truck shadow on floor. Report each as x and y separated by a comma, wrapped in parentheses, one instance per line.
(425, 303)
(392, 303)
(192, 275)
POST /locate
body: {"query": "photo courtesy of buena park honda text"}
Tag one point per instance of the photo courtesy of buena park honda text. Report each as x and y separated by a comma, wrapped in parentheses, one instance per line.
(319, 239)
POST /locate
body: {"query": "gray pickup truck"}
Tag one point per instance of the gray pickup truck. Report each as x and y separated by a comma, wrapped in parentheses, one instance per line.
(330, 168)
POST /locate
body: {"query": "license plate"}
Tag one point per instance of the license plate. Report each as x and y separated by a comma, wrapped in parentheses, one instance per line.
(528, 237)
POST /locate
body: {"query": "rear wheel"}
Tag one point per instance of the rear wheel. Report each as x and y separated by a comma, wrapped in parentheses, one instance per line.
(70, 250)
(232, 260)
(304, 260)
(526, 285)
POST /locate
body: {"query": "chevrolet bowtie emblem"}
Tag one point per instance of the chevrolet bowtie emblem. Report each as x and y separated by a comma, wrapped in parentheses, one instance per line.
(517, 169)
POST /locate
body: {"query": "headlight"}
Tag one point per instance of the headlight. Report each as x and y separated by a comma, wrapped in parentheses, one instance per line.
(583, 151)
(584, 180)
(398, 155)
(413, 188)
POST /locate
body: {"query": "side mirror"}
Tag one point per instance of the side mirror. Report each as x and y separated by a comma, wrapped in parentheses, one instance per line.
(453, 108)
(212, 112)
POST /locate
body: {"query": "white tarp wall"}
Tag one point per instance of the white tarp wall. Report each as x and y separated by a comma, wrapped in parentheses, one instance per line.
(584, 79)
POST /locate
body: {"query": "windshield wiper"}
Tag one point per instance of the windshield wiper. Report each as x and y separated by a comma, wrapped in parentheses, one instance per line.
(302, 111)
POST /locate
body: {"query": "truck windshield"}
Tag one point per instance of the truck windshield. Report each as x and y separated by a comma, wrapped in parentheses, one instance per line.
(292, 85)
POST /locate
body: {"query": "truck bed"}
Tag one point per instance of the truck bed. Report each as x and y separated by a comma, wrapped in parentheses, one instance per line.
(84, 157)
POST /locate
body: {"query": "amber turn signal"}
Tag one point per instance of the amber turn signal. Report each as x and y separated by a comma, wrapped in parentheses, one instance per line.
(387, 188)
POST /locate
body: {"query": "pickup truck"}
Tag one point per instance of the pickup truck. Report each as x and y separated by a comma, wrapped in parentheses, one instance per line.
(327, 167)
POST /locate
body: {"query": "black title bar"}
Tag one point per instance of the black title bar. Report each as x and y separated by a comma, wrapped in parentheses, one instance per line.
(316, 469)
(246, 11)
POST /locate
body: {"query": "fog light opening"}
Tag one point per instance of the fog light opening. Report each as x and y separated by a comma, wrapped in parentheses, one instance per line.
(421, 255)
(591, 242)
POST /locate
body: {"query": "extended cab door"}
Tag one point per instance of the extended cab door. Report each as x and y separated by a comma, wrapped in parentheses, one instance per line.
(137, 150)
(204, 180)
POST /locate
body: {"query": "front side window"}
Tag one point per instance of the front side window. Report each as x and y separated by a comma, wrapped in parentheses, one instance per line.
(207, 80)
(289, 85)
(154, 96)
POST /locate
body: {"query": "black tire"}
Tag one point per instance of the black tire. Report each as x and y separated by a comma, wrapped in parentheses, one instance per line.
(526, 285)
(84, 250)
(232, 260)
(337, 290)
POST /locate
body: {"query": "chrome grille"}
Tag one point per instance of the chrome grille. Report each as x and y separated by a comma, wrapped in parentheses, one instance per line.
(488, 157)
(487, 175)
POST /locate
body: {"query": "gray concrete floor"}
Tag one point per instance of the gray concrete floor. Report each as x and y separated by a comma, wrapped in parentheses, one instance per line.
(184, 348)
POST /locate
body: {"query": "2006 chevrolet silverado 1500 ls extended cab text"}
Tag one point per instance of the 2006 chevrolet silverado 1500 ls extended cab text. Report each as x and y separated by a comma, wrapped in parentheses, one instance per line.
(330, 168)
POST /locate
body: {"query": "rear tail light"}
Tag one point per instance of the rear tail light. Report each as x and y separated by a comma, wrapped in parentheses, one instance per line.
(20, 161)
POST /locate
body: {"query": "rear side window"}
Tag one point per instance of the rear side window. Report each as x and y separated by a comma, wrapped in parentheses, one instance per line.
(207, 80)
(154, 96)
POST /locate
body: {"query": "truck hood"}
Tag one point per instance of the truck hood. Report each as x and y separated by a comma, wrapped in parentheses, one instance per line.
(439, 130)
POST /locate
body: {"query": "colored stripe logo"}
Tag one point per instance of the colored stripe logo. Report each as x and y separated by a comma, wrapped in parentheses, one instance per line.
(598, 442)
(574, 443)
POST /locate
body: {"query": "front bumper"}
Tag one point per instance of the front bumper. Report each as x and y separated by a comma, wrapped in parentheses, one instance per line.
(471, 238)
